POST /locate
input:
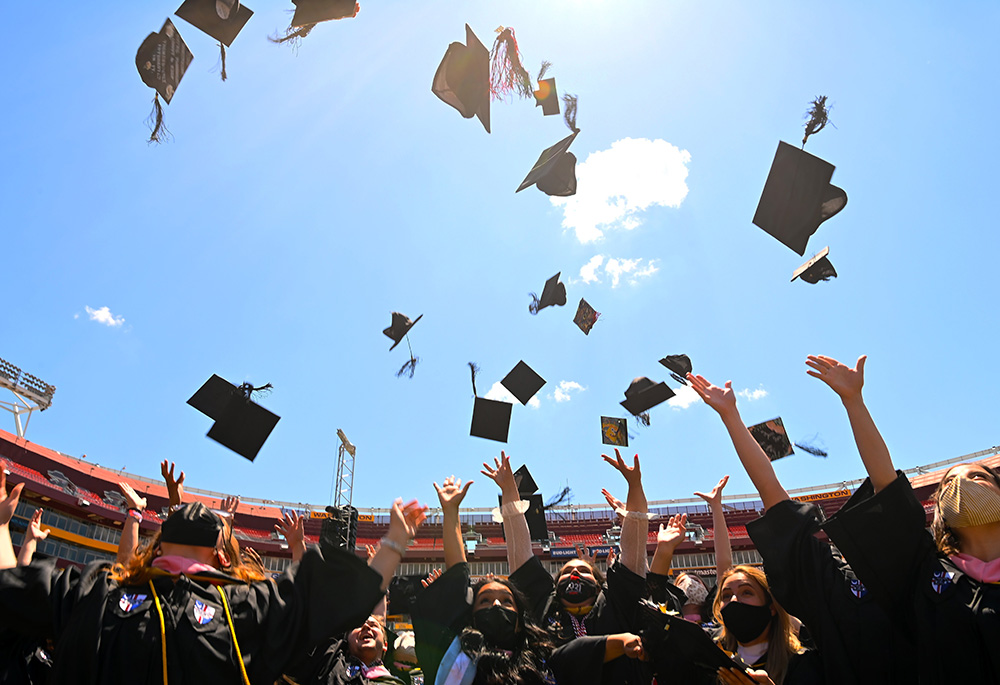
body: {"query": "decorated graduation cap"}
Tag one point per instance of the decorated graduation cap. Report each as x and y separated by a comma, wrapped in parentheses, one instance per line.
(614, 431)
(555, 171)
(162, 60)
(308, 13)
(546, 97)
(772, 438)
(398, 330)
(523, 382)
(816, 269)
(586, 316)
(462, 80)
(241, 424)
(798, 195)
(221, 19)
(679, 366)
(193, 524)
(554, 293)
(490, 418)
(642, 395)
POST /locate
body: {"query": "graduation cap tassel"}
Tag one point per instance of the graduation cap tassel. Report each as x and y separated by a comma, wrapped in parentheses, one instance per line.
(533, 307)
(293, 35)
(819, 117)
(411, 364)
(474, 369)
(158, 133)
(643, 418)
(569, 102)
(507, 74)
(564, 495)
(222, 55)
(545, 67)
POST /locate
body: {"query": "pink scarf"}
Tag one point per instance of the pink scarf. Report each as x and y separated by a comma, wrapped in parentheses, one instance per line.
(177, 565)
(983, 571)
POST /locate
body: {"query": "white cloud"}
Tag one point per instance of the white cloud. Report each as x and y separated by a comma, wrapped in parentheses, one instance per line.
(752, 395)
(615, 268)
(562, 393)
(615, 185)
(685, 396)
(104, 316)
(502, 394)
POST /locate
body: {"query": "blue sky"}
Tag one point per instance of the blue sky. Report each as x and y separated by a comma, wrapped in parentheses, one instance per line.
(316, 191)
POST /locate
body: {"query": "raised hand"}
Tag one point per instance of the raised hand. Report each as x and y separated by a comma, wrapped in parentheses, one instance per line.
(673, 533)
(582, 553)
(714, 498)
(844, 380)
(132, 499)
(632, 474)
(502, 475)
(370, 551)
(229, 504)
(451, 494)
(613, 501)
(292, 528)
(431, 577)
(34, 531)
(250, 556)
(404, 520)
(721, 400)
(175, 488)
(8, 503)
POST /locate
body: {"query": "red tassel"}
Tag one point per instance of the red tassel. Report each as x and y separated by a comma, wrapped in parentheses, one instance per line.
(507, 74)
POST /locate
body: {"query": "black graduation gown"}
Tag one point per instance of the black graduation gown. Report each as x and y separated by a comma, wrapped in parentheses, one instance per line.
(110, 634)
(951, 618)
(616, 610)
(331, 663)
(851, 631)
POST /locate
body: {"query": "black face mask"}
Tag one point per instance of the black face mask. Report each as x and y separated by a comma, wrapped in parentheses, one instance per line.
(498, 626)
(745, 622)
(576, 589)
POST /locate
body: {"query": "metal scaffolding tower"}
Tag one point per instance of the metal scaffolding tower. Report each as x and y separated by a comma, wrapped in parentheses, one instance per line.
(30, 393)
(344, 483)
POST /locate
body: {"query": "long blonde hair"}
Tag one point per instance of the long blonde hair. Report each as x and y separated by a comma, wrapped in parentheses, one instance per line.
(782, 642)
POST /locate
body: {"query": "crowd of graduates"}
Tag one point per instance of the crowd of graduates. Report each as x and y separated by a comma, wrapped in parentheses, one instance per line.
(888, 602)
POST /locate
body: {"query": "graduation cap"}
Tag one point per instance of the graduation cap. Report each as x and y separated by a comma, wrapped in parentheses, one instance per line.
(681, 648)
(555, 171)
(554, 293)
(221, 19)
(241, 424)
(586, 316)
(679, 366)
(772, 438)
(399, 329)
(547, 97)
(162, 60)
(526, 485)
(527, 489)
(193, 524)
(523, 382)
(614, 431)
(643, 394)
(312, 12)
(462, 80)
(797, 197)
(816, 269)
(490, 418)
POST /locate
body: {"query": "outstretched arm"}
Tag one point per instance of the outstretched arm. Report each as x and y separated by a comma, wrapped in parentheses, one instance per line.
(667, 540)
(8, 503)
(404, 519)
(515, 525)
(292, 528)
(175, 488)
(847, 383)
(755, 462)
(450, 495)
(134, 506)
(635, 527)
(723, 550)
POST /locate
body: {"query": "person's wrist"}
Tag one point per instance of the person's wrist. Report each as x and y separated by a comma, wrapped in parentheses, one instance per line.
(394, 545)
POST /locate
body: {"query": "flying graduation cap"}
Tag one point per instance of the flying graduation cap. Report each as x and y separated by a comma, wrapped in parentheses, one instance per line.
(546, 97)
(643, 394)
(308, 13)
(772, 438)
(679, 366)
(162, 60)
(586, 316)
(221, 19)
(816, 269)
(554, 293)
(462, 80)
(555, 171)
(398, 330)
(523, 382)
(241, 424)
(614, 431)
(490, 418)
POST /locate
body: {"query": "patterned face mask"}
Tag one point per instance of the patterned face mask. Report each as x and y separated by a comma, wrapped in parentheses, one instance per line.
(965, 502)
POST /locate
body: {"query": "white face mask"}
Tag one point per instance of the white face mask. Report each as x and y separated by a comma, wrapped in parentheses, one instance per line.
(695, 591)
(965, 502)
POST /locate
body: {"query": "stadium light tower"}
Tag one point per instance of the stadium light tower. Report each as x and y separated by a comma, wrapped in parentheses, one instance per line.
(345, 471)
(30, 393)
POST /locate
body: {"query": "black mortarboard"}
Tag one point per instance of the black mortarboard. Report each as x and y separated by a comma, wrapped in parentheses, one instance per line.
(240, 424)
(314, 11)
(401, 325)
(535, 516)
(643, 394)
(462, 80)
(491, 419)
(523, 382)
(614, 431)
(547, 97)
(585, 317)
(797, 197)
(555, 171)
(526, 485)
(221, 19)
(816, 269)
(162, 60)
(675, 646)
(553, 293)
(772, 438)
(193, 524)
(679, 365)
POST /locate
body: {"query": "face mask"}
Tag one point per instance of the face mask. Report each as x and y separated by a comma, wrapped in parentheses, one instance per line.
(498, 625)
(575, 589)
(965, 502)
(744, 621)
(694, 590)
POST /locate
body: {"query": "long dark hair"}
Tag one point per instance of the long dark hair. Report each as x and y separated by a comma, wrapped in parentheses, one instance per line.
(945, 538)
(525, 664)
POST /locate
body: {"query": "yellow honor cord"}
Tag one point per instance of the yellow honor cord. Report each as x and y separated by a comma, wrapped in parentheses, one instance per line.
(163, 630)
(232, 631)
